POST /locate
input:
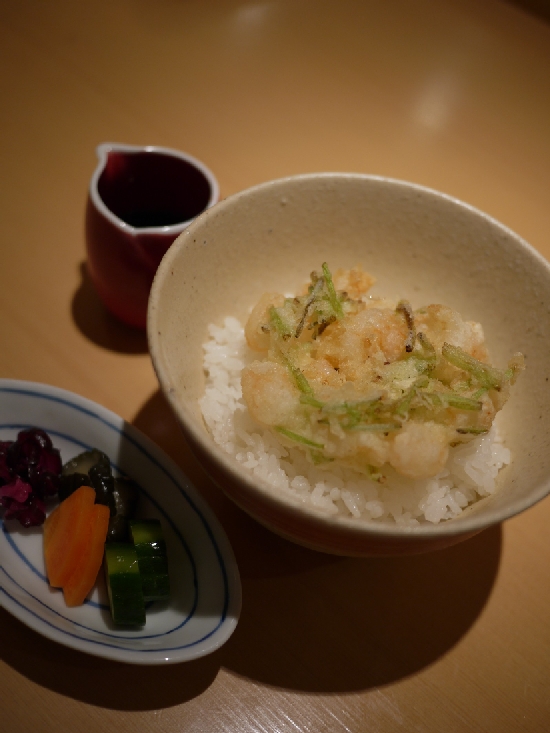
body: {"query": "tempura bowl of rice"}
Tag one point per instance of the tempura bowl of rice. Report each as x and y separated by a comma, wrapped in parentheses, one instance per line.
(359, 363)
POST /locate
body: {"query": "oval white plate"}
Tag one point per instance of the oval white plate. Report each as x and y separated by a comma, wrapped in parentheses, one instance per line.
(205, 585)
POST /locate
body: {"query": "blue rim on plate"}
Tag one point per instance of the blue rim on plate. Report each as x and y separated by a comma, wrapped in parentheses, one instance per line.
(206, 592)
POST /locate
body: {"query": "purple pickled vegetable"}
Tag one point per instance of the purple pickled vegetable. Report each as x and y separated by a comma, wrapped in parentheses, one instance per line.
(16, 490)
(31, 513)
(6, 473)
(33, 452)
(45, 484)
(30, 470)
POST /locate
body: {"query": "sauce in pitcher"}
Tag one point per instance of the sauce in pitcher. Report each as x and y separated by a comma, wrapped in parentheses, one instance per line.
(151, 189)
(140, 200)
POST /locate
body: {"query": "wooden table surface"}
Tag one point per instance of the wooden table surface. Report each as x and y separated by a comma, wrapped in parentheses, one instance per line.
(451, 94)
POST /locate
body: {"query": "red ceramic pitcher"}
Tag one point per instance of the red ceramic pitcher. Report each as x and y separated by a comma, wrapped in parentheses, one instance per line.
(140, 199)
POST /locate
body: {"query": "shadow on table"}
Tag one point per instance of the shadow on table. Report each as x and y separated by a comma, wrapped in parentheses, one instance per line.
(98, 325)
(352, 624)
(539, 8)
(310, 622)
(98, 681)
(321, 623)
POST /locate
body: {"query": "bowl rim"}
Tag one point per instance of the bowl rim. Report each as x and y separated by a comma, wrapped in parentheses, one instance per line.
(470, 522)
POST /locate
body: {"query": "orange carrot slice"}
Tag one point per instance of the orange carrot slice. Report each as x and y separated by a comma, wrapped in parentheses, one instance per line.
(65, 539)
(85, 572)
(50, 524)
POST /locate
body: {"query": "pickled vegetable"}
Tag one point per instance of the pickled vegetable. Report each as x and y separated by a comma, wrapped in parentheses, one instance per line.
(148, 540)
(75, 473)
(120, 494)
(66, 535)
(30, 470)
(125, 496)
(124, 584)
(84, 461)
(84, 575)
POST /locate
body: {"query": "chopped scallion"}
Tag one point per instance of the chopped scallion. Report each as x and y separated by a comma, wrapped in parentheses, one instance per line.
(298, 438)
(332, 296)
(472, 431)
(308, 399)
(486, 375)
(451, 399)
(282, 328)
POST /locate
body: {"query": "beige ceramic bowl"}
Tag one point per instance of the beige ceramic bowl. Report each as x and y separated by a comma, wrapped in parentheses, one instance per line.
(420, 245)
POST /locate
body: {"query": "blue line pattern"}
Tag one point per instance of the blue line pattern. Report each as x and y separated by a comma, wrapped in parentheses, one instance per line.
(104, 638)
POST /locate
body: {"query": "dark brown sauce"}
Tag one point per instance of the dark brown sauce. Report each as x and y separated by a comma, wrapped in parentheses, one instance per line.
(152, 189)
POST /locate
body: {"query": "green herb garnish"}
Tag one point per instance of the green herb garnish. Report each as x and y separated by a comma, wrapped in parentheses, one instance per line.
(487, 376)
(298, 438)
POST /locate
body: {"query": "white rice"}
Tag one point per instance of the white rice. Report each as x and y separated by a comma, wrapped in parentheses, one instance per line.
(469, 475)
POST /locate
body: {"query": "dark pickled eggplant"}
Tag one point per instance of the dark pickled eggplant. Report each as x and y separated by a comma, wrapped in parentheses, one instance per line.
(74, 473)
(120, 494)
(71, 482)
(118, 529)
(103, 482)
(90, 468)
(125, 494)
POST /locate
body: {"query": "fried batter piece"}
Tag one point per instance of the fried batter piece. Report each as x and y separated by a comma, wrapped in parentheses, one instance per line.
(368, 383)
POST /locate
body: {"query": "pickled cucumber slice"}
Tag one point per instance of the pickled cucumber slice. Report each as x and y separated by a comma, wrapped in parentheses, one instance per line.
(124, 584)
(150, 546)
(84, 461)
